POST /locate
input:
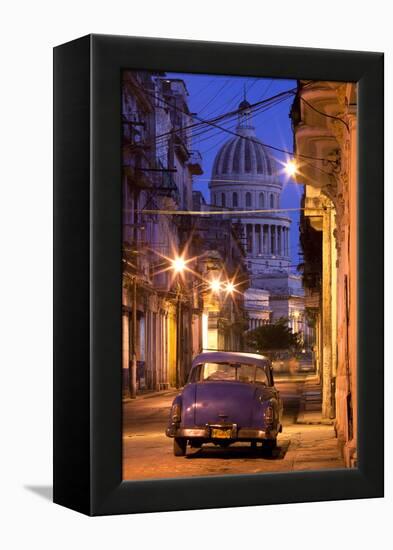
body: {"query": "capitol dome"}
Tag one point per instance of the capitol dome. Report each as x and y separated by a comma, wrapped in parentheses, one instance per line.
(246, 177)
(246, 186)
(244, 155)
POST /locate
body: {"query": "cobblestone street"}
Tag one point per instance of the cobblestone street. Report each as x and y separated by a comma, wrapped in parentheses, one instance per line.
(306, 443)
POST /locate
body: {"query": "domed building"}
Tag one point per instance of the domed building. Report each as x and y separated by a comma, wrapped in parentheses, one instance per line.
(245, 177)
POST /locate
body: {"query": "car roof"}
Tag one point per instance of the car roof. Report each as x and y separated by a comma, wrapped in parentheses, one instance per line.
(230, 357)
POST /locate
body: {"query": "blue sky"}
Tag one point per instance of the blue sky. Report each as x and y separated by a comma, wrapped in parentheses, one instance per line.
(212, 95)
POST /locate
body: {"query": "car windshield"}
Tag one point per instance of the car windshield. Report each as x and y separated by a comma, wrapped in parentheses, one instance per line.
(233, 372)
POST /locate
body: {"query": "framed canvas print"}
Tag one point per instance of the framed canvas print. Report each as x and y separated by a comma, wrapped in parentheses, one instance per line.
(218, 275)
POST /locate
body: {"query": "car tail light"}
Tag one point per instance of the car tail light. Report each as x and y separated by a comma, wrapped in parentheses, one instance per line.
(269, 414)
(176, 413)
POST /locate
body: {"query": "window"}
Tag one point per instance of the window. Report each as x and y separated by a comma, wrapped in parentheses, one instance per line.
(234, 372)
(223, 202)
(271, 201)
(248, 199)
(195, 374)
(261, 200)
(234, 200)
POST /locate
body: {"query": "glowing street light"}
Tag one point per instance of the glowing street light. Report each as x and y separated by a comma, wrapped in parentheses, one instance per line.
(215, 285)
(291, 168)
(178, 264)
(229, 287)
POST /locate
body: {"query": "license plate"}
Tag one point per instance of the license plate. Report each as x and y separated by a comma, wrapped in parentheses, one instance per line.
(218, 433)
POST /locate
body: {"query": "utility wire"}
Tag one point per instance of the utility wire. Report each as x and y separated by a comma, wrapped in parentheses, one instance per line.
(255, 116)
(236, 213)
(214, 133)
(234, 99)
(210, 123)
(215, 95)
(322, 113)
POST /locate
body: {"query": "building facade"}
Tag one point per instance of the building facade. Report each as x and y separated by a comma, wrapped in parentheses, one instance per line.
(161, 320)
(325, 127)
(221, 259)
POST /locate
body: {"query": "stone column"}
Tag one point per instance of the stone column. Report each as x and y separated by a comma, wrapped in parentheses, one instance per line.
(269, 239)
(274, 240)
(288, 242)
(326, 316)
(282, 241)
(261, 237)
(254, 247)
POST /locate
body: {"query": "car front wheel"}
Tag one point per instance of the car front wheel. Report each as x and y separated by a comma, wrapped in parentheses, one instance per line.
(179, 446)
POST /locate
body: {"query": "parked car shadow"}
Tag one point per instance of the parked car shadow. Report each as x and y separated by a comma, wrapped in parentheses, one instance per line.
(238, 452)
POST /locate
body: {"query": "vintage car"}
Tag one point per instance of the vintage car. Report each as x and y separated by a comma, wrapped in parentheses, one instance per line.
(229, 397)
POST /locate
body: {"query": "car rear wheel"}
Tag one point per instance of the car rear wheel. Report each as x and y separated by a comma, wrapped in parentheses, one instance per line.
(269, 444)
(179, 446)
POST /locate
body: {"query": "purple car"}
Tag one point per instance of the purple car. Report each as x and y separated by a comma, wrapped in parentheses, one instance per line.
(229, 397)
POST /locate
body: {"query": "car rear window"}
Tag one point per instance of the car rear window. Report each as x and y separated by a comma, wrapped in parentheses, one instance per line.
(234, 372)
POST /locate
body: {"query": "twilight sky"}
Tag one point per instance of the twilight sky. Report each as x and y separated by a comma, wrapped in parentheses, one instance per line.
(212, 95)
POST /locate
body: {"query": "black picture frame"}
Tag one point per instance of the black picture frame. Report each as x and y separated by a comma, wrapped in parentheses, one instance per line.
(87, 275)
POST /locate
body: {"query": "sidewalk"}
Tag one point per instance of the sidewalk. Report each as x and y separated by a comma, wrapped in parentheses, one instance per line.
(149, 394)
(311, 403)
(314, 444)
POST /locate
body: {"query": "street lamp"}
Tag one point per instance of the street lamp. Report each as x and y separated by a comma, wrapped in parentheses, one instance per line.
(229, 287)
(291, 168)
(178, 264)
(215, 285)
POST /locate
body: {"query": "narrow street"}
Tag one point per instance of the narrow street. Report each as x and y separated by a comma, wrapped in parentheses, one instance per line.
(306, 443)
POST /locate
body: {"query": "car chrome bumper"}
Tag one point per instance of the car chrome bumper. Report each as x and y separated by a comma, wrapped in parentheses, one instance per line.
(238, 434)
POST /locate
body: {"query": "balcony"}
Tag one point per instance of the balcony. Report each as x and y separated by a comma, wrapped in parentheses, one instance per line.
(195, 163)
(164, 182)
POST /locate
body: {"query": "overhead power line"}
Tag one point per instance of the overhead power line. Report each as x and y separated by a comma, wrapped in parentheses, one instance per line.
(211, 123)
(235, 213)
